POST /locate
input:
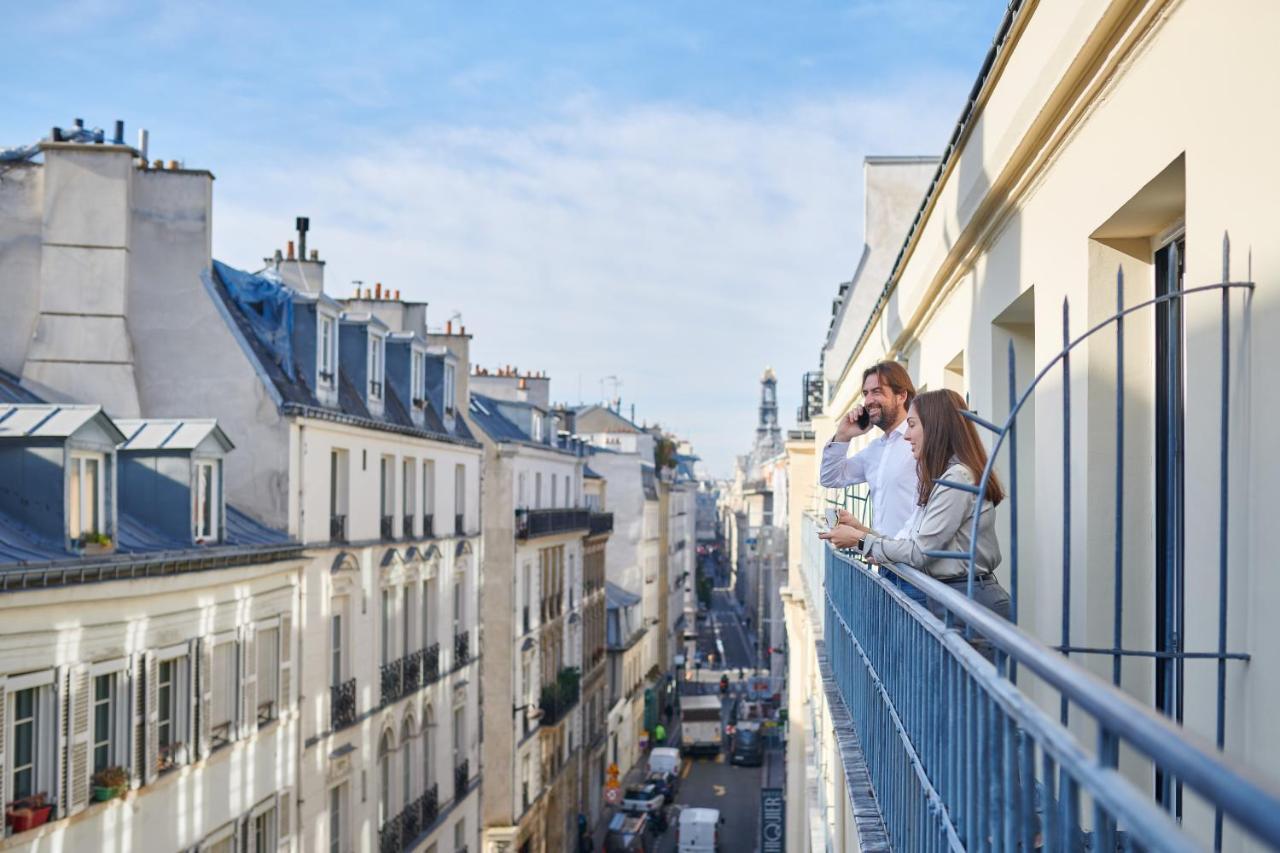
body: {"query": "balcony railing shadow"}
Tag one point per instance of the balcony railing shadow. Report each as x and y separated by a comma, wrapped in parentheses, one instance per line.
(531, 523)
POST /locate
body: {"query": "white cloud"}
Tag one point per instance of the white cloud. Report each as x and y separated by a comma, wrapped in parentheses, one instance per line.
(681, 250)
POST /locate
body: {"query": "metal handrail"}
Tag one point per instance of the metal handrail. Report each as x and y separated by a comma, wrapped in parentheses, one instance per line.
(1189, 756)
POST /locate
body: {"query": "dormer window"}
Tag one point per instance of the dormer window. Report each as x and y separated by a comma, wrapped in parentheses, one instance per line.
(328, 355)
(375, 367)
(537, 426)
(418, 379)
(206, 502)
(448, 388)
(85, 495)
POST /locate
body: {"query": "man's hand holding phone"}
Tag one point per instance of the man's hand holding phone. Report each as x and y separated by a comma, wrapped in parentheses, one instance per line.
(855, 422)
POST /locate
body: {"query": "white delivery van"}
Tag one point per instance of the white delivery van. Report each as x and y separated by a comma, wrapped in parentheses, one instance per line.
(664, 759)
(698, 831)
(700, 724)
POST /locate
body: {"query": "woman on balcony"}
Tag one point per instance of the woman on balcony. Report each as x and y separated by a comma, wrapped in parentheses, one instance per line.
(946, 448)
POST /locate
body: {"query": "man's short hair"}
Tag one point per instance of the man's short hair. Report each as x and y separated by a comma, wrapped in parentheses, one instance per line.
(895, 376)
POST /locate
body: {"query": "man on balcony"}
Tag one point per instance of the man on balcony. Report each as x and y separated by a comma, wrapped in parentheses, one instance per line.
(886, 464)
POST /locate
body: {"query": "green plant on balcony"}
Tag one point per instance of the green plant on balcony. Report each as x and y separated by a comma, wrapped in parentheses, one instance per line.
(109, 783)
(561, 695)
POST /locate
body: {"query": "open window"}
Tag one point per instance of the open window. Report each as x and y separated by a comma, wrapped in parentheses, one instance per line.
(207, 510)
(29, 761)
(449, 383)
(376, 365)
(327, 356)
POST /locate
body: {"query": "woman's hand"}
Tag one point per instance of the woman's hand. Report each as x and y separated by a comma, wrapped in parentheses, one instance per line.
(843, 536)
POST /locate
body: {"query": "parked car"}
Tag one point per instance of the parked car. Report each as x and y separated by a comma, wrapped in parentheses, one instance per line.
(646, 797)
(698, 831)
(666, 783)
(748, 748)
(629, 832)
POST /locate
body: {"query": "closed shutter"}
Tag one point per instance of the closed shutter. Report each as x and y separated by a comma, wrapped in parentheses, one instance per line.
(80, 738)
(138, 719)
(204, 688)
(284, 700)
(284, 823)
(152, 754)
(248, 681)
(62, 713)
(4, 721)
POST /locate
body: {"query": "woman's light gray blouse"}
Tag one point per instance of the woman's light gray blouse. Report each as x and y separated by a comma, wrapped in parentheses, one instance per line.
(942, 524)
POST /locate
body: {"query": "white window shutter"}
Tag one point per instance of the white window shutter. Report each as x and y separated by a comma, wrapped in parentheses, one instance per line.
(204, 689)
(4, 722)
(152, 728)
(248, 682)
(284, 700)
(80, 738)
(62, 713)
(190, 715)
(138, 720)
(284, 822)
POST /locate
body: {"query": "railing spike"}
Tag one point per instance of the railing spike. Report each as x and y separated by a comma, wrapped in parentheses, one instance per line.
(1226, 256)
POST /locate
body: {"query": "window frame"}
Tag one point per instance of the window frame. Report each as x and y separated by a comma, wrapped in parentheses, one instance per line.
(225, 643)
(178, 658)
(449, 389)
(211, 503)
(327, 352)
(271, 676)
(417, 378)
(76, 466)
(376, 365)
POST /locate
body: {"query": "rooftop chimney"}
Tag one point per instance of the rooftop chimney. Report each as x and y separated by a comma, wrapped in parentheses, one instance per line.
(448, 327)
(119, 137)
(304, 225)
(289, 253)
(143, 139)
(377, 290)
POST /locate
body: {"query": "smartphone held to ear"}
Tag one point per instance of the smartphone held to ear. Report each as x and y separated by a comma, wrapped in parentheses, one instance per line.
(864, 418)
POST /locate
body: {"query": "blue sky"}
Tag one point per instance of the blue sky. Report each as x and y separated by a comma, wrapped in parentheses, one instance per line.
(666, 192)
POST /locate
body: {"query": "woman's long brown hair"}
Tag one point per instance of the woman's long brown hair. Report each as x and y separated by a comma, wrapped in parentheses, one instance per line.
(948, 433)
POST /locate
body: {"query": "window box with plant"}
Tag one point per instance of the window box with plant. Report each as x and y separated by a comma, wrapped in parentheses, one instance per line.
(93, 543)
(27, 813)
(109, 783)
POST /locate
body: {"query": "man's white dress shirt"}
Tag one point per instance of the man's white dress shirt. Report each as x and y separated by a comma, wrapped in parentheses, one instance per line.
(887, 467)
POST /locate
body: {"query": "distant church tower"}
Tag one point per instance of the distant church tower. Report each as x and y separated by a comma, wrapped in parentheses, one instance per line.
(768, 435)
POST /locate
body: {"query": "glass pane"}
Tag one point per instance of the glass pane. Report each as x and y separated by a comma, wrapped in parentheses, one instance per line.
(335, 644)
(206, 500)
(91, 495)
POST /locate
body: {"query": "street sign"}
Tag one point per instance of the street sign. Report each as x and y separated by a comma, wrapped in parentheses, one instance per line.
(773, 821)
(613, 796)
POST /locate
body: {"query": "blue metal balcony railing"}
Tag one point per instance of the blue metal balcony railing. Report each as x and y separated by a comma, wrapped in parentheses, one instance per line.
(960, 755)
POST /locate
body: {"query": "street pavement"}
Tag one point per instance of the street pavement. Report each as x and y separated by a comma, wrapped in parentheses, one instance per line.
(712, 782)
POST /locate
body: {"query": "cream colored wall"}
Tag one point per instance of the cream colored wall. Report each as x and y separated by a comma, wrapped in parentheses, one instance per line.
(1037, 179)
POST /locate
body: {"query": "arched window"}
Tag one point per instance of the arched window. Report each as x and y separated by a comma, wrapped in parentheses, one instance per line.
(428, 730)
(406, 763)
(385, 750)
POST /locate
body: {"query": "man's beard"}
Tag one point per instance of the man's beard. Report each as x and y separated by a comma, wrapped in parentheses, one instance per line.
(888, 417)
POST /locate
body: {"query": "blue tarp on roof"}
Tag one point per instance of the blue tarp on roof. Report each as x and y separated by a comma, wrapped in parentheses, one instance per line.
(268, 306)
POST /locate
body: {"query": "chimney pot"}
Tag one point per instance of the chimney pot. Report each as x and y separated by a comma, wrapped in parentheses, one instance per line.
(289, 252)
(79, 124)
(159, 164)
(315, 254)
(464, 331)
(377, 290)
(119, 138)
(56, 134)
(173, 164)
(99, 137)
(448, 327)
(397, 295)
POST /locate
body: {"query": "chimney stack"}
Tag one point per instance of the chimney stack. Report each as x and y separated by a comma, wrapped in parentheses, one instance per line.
(397, 296)
(377, 290)
(119, 137)
(143, 139)
(448, 327)
(289, 252)
(303, 225)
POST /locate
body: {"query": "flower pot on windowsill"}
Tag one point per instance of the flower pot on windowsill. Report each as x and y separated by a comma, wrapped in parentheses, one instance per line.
(101, 795)
(95, 543)
(24, 815)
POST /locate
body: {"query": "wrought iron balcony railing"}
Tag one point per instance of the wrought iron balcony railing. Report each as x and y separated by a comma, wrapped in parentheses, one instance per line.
(429, 807)
(406, 526)
(337, 528)
(601, 522)
(388, 527)
(428, 526)
(342, 704)
(461, 648)
(392, 681)
(390, 837)
(458, 528)
(557, 699)
(412, 673)
(461, 778)
(531, 523)
(431, 664)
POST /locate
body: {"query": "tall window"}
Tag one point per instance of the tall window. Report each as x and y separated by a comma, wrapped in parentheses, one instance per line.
(337, 818)
(406, 764)
(222, 711)
(384, 779)
(567, 489)
(172, 708)
(459, 735)
(26, 734)
(522, 500)
(408, 484)
(428, 497)
(268, 648)
(328, 352)
(338, 462)
(375, 367)
(428, 612)
(460, 498)
(537, 490)
(553, 491)
(527, 592)
(406, 619)
(449, 392)
(459, 602)
(105, 742)
(428, 729)
(417, 379)
(386, 627)
(206, 509)
(264, 829)
(85, 495)
(335, 645)
(537, 426)
(460, 835)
